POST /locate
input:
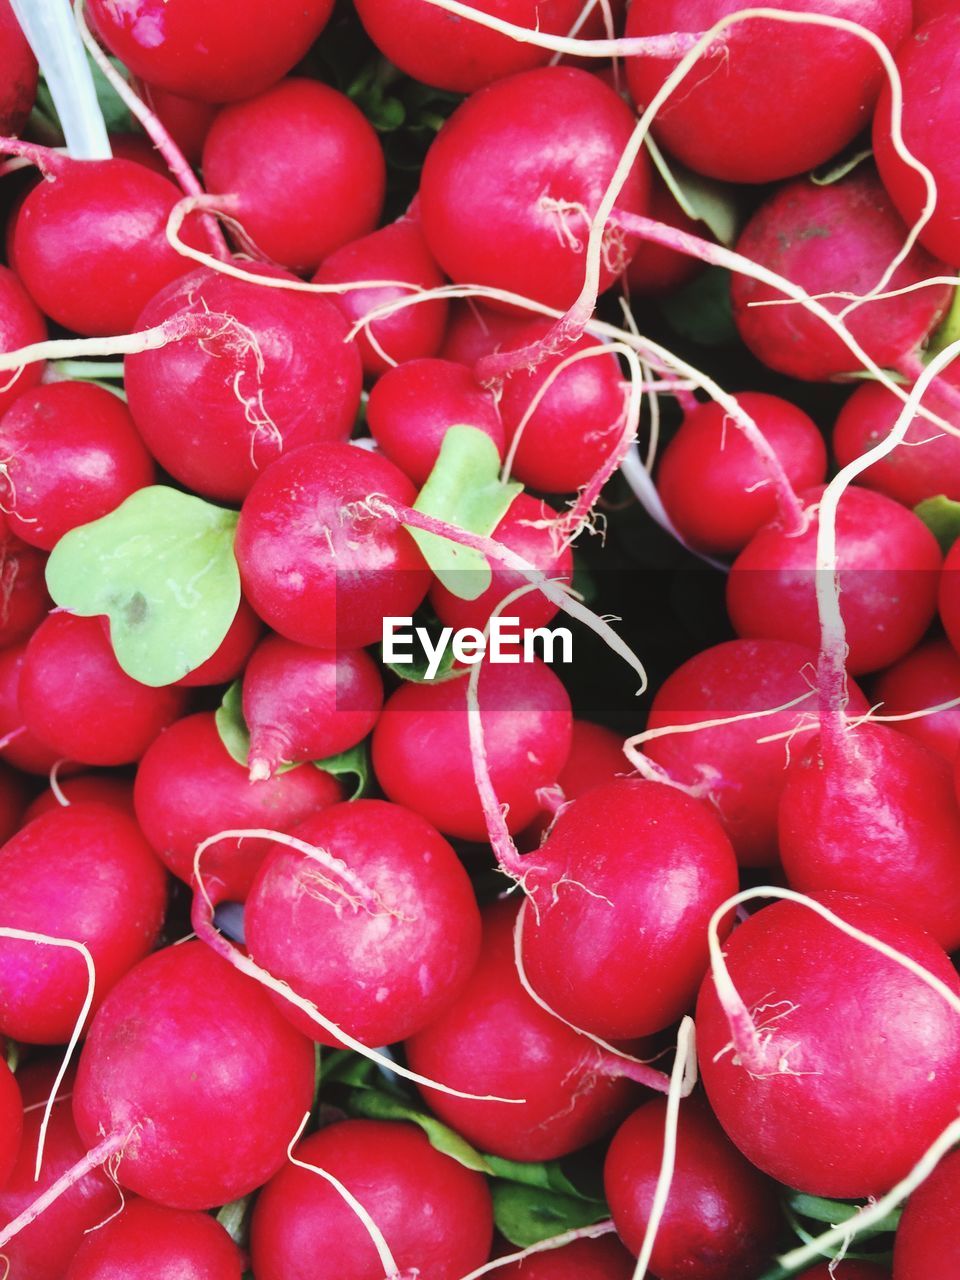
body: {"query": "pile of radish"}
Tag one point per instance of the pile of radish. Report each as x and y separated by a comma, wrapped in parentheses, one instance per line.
(479, 640)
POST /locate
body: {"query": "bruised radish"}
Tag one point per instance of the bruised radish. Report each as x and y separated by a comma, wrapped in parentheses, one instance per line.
(20, 325)
(19, 74)
(188, 788)
(927, 676)
(317, 564)
(23, 593)
(180, 1048)
(602, 1259)
(216, 410)
(148, 1242)
(231, 657)
(382, 947)
(927, 1245)
(306, 704)
(856, 1067)
(515, 175)
(21, 749)
(722, 1218)
(94, 788)
(434, 1214)
(82, 872)
(11, 1122)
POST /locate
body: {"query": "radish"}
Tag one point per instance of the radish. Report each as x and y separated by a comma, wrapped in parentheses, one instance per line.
(496, 1040)
(70, 455)
(83, 872)
(949, 596)
(19, 747)
(21, 324)
(927, 1245)
(396, 252)
(434, 1214)
(96, 788)
(20, 73)
(231, 657)
(412, 406)
(722, 1219)
(12, 802)
(421, 746)
(888, 563)
(303, 169)
(11, 1122)
(216, 410)
(381, 934)
(78, 702)
(187, 120)
(23, 593)
(654, 271)
(853, 1065)
(306, 704)
(838, 238)
(515, 175)
(596, 756)
(926, 677)
(148, 1242)
(709, 455)
(138, 148)
(601, 1259)
(219, 52)
(767, 100)
(188, 788)
(475, 331)
(316, 565)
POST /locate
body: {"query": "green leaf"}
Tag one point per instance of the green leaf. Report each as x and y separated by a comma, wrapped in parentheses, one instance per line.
(464, 489)
(702, 199)
(833, 1212)
(376, 1105)
(546, 1174)
(162, 567)
(116, 116)
(343, 1066)
(941, 515)
(355, 762)
(526, 1215)
(416, 671)
(701, 310)
(949, 328)
(235, 1220)
(839, 168)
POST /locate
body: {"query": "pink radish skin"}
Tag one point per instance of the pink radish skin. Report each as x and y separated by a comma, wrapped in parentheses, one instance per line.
(435, 1215)
(11, 1122)
(71, 454)
(482, 197)
(185, 119)
(94, 788)
(315, 564)
(596, 756)
(307, 704)
(601, 1259)
(625, 852)
(412, 407)
(889, 571)
(23, 592)
(381, 962)
(476, 331)
(835, 238)
(927, 1244)
(77, 701)
(495, 1040)
(421, 746)
(20, 73)
(181, 1047)
(231, 657)
(864, 1057)
(303, 167)
(204, 411)
(927, 676)
(83, 872)
(148, 1242)
(23, 750)
(20, 325)
(396, 252)
(188, 788)
(654, 270)
(949, 596)
(741, 777)
(710, 455)
(722, 1220)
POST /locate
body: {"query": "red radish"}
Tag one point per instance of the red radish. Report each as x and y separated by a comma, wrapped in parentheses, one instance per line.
(303, 168)
(847, 1270)
(476, 331)
(11, 1122)
(96, 788)
(509, 185)
(575, 425)
(396, 252)
(42, 1251)
(625, 852)
(949, 596)
(180, 1048)
(495, 1040)
(216, 410)
(925, 11)
(186, 120)
(434, 1214)
(76, 699)
(839, 238)
(654, 270)
(307, 704)
(927, 676)
(188, 788)
(930, 102)
(856, 1068)
(889, 570)
(381, 947)
(23, 593)
(926, 464)
(927, 1245)
(722, 1219)
(139, 148)
(421, 746)
(90, 242)
(71, 454)
(20, 73)
(20, 325)
(149, 1242)
(710, 455)
(21, 749)
(217, 52)
(769, 100)
(740, 776)
(412, 407)
(596, 756)
(83, 872)
(12, 801)
(316, 564)
(442, 50)
(602, 1259)
(529, 528)
(231, 657)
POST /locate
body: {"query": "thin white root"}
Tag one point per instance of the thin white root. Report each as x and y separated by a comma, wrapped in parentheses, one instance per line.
(544, 1246)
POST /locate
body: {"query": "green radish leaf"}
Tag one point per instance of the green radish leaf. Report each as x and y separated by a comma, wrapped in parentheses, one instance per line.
(353, 763)
(376, 1105)
(235, 1220)
(835, 1211)
(702, 199)
(941, 515)
(701, 311)
(948, 330)
(464, 489)
(526, 1215)
(161, 567)
(343, 1066)
(416, 670)
(547, 1175)
(839, 168)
